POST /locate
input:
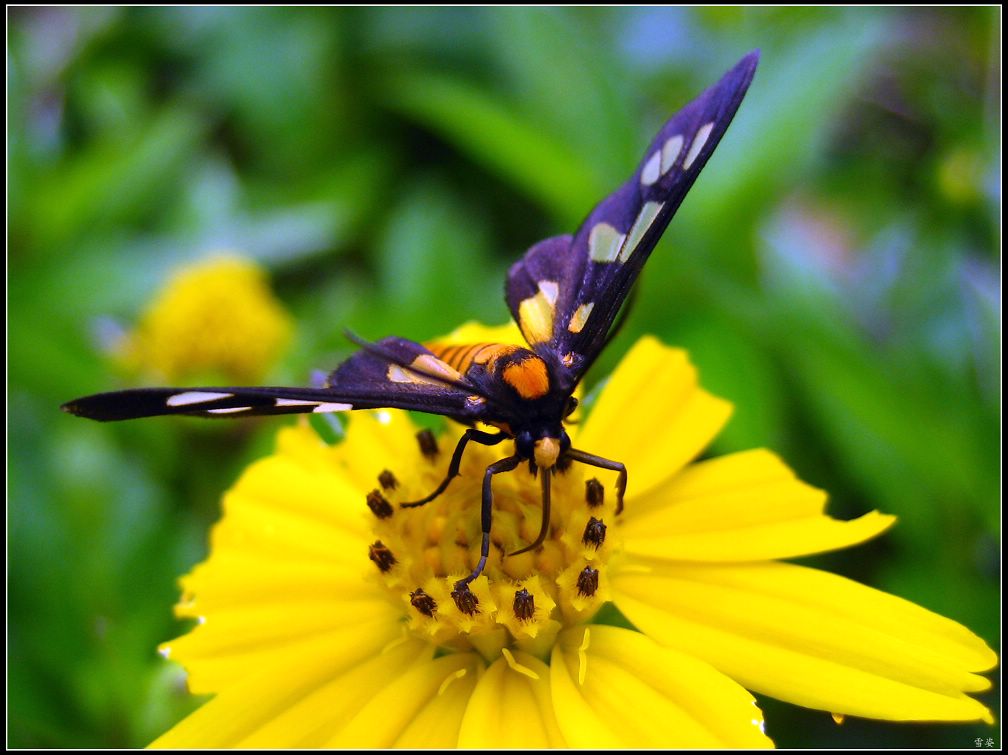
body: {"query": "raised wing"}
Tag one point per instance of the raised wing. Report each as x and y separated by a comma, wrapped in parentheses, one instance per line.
(391, 373)
(566, 292)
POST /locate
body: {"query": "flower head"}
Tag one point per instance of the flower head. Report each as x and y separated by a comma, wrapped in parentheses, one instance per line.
(330, 617)
(217, 317)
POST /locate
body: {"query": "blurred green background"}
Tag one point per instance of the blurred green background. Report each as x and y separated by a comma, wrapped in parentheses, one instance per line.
(835, 273)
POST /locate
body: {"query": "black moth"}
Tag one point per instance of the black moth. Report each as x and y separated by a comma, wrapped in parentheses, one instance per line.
(565, 295)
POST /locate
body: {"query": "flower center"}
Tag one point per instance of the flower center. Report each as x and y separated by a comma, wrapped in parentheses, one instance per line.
(521, 600)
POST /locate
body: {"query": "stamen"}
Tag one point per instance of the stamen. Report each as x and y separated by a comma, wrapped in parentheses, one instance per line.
(428, 444)
(464, 599)
(381, 555)
(451, 678)
(387, 480)
(379, 505)
(524, 605)
(515, 666)
(423, 602)
(583, 656)
(587, 582)
(518, 603)
(594, 533)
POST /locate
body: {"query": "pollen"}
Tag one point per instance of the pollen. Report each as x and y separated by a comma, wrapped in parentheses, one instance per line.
(519, 603)
(217, 317)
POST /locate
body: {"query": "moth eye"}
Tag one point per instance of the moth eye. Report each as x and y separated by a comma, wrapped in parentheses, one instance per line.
(572, 404)
(524, 444)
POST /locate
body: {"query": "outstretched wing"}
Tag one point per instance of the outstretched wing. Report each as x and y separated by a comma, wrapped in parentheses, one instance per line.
(391, 373)
(566, 292)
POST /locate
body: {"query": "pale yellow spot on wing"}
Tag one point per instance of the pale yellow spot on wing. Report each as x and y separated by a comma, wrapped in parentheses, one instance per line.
(698, 142)
(670, 151)
(604, 243)
(580, 317)
(535, 316)
(397, 374)
(431, 365)
(652, 169)
(644, 220)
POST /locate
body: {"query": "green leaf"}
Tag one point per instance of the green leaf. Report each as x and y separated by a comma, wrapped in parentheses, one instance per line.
(501, 139)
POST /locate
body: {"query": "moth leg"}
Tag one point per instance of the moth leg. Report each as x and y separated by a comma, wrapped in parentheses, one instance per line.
(504, 465)
(487, 439)
(597, 461)
(544, 527)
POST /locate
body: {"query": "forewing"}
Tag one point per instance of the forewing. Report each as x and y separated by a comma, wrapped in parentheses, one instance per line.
(566, 292)
(392, 373)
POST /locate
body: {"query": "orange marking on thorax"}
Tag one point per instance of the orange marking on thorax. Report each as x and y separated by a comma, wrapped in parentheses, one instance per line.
(528, 377)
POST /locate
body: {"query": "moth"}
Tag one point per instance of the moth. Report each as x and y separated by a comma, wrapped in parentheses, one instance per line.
(565, 293)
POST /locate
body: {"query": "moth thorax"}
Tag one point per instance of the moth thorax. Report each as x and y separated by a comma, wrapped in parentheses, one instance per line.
(546, 452)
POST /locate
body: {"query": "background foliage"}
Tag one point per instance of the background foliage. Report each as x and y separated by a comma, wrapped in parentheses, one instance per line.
(835, 273)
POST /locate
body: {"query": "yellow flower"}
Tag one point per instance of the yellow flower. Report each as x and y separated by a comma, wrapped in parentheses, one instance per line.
(214, 318)
(326, 616)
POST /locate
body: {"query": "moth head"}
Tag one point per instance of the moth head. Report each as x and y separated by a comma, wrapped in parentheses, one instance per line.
(544, 448)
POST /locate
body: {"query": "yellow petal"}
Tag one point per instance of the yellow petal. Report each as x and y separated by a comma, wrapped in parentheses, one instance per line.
(422, 707)
(297, 700)
(652, 415)
(476, 332)
(230, 646)
(619, 689)
(437, 724)
(324, 494)
(376, 441)
(511, 709)
(810, 637)
(233, 579)
(742, 507)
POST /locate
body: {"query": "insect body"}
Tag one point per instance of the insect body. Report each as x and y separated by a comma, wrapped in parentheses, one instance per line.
(565, 294)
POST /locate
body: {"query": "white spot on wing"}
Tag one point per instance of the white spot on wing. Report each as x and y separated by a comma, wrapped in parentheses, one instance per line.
(644, 220)
(294, 402)
(195, 397)
(604, 243)
(229, 410)
(322, 408)
(652, 169)
(670, 151)
(698, 143)
(550, 291)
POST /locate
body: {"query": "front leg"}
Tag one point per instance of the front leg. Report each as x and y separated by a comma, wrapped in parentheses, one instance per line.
(598, 461)
(487, 439)
(504, 465)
